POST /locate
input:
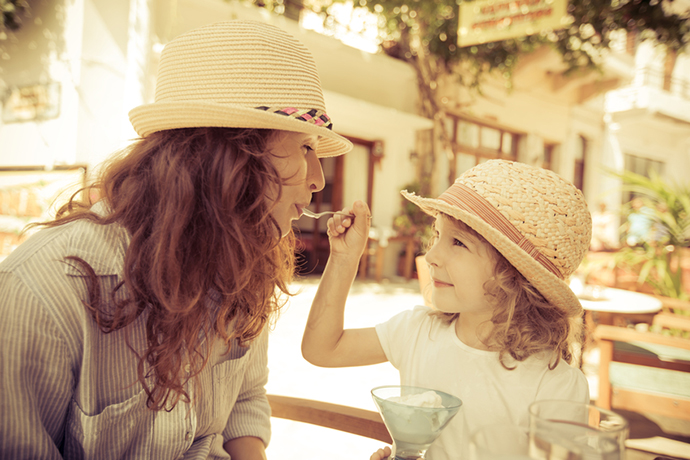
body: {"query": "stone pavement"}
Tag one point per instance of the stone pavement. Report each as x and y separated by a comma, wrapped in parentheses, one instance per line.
(370, 303)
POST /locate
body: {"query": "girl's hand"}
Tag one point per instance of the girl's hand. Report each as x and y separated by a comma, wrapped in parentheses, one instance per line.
(347, 237)
(381, 454)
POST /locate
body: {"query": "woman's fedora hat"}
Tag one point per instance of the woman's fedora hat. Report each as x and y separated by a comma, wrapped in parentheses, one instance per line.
(533, 217)
(239, 74)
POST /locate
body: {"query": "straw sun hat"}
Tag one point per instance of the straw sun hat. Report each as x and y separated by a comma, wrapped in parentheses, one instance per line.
(536, 219)
(239, 74)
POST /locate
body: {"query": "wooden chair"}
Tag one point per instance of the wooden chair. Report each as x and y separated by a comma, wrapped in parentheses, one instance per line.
(675, 314)
(352, 420)
(647, 371)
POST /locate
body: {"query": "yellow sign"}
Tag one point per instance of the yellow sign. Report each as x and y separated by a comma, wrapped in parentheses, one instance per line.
(484, 21)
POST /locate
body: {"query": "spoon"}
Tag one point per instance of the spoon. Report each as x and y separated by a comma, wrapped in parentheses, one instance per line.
(315, 215)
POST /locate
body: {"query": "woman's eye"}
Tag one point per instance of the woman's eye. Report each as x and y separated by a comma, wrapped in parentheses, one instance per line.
(307, 149)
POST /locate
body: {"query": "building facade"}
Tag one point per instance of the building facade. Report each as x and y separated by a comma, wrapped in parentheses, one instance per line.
(71, 74)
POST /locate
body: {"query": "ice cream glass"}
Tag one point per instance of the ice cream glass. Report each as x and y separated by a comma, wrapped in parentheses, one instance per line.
(414, 417)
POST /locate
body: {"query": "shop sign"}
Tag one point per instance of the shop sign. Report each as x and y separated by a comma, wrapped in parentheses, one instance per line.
(484, 21)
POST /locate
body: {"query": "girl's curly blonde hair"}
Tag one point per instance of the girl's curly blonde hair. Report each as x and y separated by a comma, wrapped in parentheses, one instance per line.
(524, 322)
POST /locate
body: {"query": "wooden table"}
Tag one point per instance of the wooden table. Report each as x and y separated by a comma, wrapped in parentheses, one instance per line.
(618, 307)
(614, 307)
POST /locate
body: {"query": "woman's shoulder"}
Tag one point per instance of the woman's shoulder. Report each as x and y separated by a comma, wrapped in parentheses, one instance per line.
(102, 246)
(37, 246)
(80, 237)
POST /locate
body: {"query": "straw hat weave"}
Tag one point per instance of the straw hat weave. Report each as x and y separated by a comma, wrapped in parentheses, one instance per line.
(239, 74)
(533, 217)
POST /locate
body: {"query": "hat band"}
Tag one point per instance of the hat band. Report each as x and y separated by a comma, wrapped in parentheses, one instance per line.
(313, 116)
(465, 198)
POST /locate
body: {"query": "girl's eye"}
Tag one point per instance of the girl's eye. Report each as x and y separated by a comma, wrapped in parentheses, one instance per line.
(457, 242)
(307, 149)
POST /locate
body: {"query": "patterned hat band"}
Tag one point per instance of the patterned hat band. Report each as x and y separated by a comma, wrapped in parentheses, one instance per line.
(465, 198)
(313, 116)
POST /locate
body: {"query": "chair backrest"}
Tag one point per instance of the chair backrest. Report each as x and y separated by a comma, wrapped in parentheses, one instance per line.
(644, 371)
(669, 321)
(676, 306)
(348, 419)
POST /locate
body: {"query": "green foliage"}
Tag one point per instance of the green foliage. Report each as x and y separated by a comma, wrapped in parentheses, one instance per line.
(670, 204)
(411, 27)
(412, 221)
(658, 260)
(594, 21)
(12, 12)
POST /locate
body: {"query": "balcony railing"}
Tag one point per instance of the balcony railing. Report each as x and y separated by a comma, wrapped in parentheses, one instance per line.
(679, 87)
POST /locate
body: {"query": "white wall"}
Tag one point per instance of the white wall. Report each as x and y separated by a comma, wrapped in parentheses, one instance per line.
(104, 102)
(44, 50)
(368, 96)
(97, 50)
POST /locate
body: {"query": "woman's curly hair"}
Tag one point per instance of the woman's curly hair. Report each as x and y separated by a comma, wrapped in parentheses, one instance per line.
(194, 202)
(524, 322)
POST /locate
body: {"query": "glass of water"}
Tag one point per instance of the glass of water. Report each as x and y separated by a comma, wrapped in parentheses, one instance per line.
(566, 430)
(499, 442)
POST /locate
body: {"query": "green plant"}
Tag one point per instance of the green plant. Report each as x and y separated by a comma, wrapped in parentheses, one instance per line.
(412, 221)
(658, 259)
(11, 12)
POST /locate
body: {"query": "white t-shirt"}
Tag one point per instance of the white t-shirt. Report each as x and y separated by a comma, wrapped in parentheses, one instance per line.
(428, 354)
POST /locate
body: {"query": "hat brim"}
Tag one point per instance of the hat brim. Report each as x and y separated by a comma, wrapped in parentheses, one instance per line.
(159, 116)
(555, 290)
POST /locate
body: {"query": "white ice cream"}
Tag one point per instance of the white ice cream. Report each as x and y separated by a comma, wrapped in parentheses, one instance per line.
(426, 399)
(415, 419)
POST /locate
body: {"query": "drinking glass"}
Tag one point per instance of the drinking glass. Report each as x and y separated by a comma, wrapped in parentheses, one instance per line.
(501, 441)
(413, 428)
(566, 430)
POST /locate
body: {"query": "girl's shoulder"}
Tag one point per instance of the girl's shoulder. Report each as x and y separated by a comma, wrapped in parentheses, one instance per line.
(420, 315)
(563, 381)
(542, 363)
(418, 318)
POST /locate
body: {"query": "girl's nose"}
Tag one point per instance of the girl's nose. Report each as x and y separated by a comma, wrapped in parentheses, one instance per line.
(431, 256)
(315, 177)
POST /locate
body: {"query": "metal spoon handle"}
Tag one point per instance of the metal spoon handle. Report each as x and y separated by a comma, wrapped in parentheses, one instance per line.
(314, 215)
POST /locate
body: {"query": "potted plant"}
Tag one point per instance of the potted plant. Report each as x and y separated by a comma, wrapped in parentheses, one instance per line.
(415, 223)
(658, 259)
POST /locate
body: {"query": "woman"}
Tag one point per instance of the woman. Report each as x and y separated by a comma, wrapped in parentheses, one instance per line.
(136, 326)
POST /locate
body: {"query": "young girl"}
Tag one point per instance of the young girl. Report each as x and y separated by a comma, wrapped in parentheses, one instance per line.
(507, 236)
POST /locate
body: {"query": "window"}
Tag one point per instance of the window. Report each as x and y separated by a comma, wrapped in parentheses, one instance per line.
(343, 184)
(580, 156)
(547, 161)
(476, 142)
(642, 166)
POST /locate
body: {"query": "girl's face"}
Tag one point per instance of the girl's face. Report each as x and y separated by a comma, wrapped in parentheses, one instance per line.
(460, 264)
(294, 157)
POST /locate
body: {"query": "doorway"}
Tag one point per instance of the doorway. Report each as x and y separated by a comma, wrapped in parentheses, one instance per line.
(348, 178)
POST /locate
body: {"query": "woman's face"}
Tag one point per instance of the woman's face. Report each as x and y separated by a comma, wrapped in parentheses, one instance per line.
(294, 157)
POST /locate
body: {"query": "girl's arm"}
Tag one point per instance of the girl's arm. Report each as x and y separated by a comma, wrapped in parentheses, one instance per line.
(325, 342)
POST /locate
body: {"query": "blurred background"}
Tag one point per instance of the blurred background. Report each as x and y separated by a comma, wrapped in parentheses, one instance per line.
(601, 96)
(597, 91)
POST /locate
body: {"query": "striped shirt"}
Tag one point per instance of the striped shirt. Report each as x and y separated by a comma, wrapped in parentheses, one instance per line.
(67, 390)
